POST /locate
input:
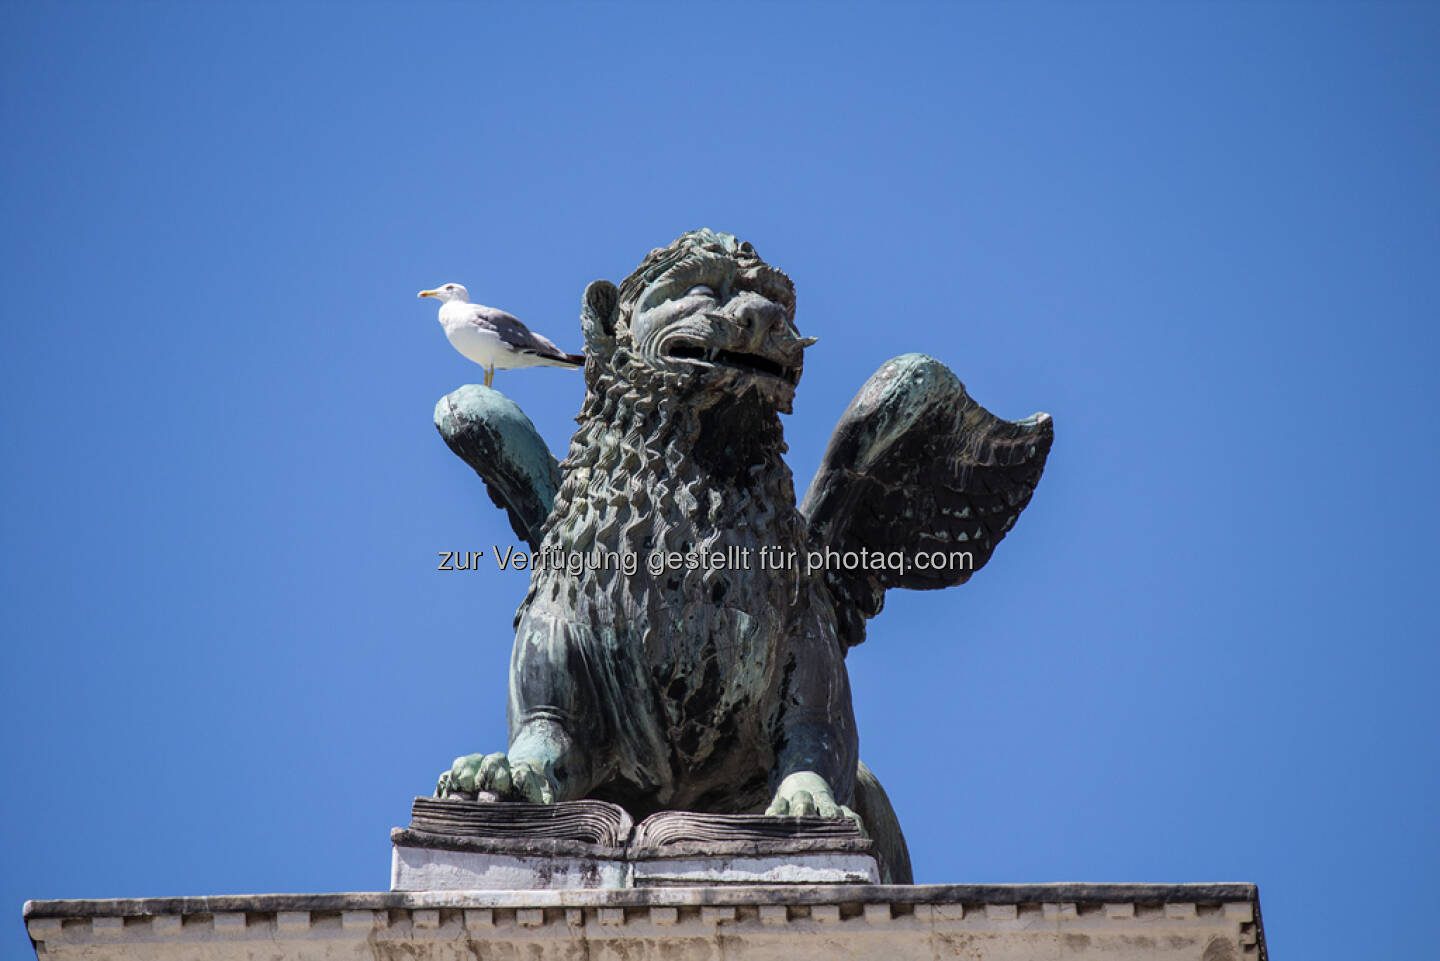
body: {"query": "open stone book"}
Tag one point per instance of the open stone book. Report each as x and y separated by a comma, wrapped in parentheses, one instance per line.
(455, 843)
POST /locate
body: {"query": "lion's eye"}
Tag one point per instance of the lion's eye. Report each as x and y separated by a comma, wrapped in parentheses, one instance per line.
(700, 290)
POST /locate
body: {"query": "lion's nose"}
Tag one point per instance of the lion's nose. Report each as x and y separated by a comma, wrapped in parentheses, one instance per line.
(757, 316)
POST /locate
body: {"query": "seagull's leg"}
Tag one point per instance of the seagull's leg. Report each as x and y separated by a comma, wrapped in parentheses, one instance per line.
(489, 375)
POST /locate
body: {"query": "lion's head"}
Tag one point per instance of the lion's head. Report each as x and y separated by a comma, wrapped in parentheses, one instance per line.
(705, 308)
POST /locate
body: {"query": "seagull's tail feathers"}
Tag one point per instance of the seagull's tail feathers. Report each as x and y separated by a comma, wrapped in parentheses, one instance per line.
(558, 359)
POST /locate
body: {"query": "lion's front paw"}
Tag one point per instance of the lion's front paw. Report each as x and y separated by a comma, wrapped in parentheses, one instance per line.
(806, 793)
(518, 780)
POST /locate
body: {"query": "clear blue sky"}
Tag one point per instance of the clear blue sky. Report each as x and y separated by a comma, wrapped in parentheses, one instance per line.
(1204, 237)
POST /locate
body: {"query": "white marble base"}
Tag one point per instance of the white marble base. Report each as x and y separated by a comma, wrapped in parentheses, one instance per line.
(435, 869)
(827, 868)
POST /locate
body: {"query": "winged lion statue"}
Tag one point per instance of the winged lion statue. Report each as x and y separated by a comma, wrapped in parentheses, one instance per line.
(683, 683)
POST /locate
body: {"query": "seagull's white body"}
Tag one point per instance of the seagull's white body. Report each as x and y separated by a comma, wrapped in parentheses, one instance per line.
(480, 342)
(493, 338)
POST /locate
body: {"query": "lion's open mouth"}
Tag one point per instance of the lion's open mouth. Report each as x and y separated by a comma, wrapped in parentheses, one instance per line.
(750, 363)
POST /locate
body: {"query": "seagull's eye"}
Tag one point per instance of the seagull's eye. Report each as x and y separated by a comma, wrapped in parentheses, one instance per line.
(701, 290)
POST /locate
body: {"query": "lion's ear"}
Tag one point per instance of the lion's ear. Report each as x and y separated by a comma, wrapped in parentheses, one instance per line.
(597, 318)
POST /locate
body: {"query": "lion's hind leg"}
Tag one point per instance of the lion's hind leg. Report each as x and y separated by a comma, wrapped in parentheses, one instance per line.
(875, 810)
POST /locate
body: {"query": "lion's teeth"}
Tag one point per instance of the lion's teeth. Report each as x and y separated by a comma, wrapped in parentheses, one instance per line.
(713, 354)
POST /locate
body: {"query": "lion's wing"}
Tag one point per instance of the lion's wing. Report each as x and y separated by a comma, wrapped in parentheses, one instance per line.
(915, 467)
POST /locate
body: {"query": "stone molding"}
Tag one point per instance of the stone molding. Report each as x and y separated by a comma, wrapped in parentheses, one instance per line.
(1213, 921)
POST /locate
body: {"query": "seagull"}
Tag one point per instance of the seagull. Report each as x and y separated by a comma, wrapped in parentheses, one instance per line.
(492, 338)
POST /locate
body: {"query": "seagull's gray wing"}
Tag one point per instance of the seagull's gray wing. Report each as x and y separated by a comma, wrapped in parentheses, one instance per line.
(516, 335)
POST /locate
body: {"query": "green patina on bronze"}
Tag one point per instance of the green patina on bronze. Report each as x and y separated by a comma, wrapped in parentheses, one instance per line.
(717, 688)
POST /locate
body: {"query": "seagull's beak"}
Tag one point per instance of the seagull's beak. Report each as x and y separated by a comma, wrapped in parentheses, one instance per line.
(428, 293)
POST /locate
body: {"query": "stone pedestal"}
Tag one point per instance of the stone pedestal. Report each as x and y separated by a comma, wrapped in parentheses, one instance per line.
(1116, 922)
(582, 882)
